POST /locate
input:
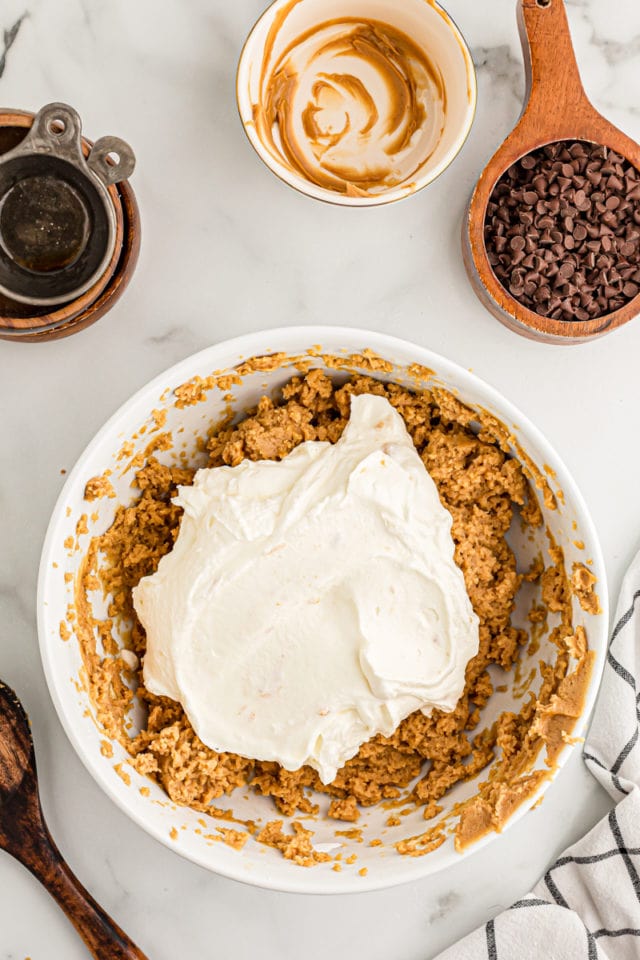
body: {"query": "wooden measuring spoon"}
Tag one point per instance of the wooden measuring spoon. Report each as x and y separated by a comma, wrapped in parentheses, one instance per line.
(24, 834)
(556, 108)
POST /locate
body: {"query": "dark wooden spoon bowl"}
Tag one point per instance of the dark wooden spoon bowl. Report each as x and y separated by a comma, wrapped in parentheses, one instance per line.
(556, 108)
(24, 835)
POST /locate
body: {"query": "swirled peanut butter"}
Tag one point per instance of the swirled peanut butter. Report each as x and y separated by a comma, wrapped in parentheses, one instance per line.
(354, 106)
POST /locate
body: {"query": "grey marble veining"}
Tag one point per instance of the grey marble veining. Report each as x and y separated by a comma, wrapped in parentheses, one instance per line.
(227, 249)
(8, 39)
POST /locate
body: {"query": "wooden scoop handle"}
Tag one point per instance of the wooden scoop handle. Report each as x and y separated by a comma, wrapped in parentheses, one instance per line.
(555, 94)
(30, 842)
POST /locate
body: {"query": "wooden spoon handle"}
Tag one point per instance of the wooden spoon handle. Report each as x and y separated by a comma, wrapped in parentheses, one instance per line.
(103, 937)
(554, 88)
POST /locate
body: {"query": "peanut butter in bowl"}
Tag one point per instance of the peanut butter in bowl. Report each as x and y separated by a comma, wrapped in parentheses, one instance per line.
(376, 773)
(353, 107)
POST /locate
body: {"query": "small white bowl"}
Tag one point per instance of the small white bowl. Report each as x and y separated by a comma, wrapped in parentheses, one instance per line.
(423, 21)
(257, 864)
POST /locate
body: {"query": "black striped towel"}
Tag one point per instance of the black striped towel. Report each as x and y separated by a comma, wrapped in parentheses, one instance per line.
(587, 906)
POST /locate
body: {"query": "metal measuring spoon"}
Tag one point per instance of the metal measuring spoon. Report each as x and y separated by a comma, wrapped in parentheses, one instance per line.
(24, 835)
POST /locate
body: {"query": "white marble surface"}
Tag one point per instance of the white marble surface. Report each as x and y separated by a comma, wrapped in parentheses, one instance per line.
(228, 249)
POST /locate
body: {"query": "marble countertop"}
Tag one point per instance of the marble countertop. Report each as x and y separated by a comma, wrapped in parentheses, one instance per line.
(227, 249)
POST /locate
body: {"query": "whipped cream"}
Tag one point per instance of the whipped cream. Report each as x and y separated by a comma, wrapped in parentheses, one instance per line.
(311, 603)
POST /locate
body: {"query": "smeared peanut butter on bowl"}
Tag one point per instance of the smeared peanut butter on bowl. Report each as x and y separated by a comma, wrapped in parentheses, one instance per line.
(351, 105)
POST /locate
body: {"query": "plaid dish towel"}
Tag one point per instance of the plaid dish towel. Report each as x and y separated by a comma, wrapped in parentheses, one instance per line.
(587, 905)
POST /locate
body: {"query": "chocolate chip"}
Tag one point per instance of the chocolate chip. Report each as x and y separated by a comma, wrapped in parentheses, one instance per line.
(562, 231)
(567, 270)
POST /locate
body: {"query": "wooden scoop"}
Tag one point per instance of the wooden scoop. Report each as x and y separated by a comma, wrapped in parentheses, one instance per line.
(24, 834)
(557, 108)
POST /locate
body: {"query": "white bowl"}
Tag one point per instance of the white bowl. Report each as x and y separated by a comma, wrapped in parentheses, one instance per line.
(426, 23)
(257, 864)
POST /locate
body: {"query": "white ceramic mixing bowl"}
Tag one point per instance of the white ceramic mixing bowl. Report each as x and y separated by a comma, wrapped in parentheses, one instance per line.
(256, 863)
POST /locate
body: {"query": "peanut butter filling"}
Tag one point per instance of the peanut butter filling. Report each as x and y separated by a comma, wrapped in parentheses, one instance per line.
(482, 486)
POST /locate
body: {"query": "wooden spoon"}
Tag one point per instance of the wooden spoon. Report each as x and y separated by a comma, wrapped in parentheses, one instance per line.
(24, 834)
(556, 108)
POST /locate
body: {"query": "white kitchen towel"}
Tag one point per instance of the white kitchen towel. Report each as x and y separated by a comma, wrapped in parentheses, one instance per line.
(587, 905)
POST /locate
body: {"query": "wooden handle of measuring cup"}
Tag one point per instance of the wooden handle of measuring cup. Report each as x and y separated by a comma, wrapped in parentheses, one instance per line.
(556, 100)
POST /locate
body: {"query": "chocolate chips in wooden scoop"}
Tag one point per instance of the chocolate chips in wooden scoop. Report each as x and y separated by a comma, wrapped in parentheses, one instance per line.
(562, 231)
